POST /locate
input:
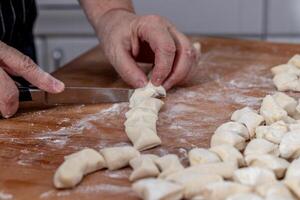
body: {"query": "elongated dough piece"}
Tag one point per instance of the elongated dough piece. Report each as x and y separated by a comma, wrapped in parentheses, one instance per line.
(157, 189)
(271, 111)
(249, 118)
(287, 82)
(152, 104)
(75, 166)
(118, 157)
(234, 127)
(244, 196)
(228, 153)
(200, 156)
(274, 163)
(223, 189)
(295, 60)
(261, 146)
(193, 182)
(254, 176)
(273, 133)
(285, 68)
(293, 170)
(141, 94)
(294, 185)
(274, 191)
(229, 138)
(290, 145)
(286, 102)
(143, 167)
(168, 164)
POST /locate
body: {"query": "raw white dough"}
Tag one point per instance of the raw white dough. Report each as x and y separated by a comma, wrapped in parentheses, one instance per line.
(234, 127)
(157, 189)
(168, 164)
(295, 60)
(274, 191)
(75, 166)
(244, 196)
(292, 177)
(290, 145)
(289, 68)
(200, 156)
(294, 186)
(228, 153)
(287, 82)
(249, 118)
(272, 133)
(261, 146)
(118, 157)
(229, 138)
(286, 102)
(143, 167)
(271, 111)
(254, 176)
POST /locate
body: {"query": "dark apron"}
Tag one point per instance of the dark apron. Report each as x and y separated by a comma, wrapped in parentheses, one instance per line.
(16, 24)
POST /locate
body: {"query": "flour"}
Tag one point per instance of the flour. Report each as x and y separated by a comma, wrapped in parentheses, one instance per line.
(5, 196)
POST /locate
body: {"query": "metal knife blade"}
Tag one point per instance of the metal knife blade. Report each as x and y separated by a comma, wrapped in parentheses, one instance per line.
(82, 95)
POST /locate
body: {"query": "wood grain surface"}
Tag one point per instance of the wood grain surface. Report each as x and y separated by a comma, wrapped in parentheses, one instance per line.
(231, 74)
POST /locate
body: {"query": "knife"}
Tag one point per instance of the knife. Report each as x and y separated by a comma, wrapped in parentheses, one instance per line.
(71, 95)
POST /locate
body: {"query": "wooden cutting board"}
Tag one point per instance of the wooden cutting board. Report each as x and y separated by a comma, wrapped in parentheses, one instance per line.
(231, 74)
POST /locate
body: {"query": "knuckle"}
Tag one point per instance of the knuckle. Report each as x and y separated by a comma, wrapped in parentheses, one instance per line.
(154, 19)
(27, 64)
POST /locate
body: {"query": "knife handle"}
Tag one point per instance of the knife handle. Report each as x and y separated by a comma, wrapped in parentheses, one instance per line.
(24, 88)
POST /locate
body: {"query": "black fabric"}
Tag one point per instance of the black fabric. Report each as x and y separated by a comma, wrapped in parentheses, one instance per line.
(17, 18)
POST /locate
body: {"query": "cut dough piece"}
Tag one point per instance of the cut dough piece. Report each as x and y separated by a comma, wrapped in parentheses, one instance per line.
(223, 189)
(76, 166)
(287, 82)
(229, 154)
(290, 145)
(271, 111)
(157, 189)
(285, 68)
(274, 163)
(294, 185)
(286, 102)
(249, 118)
(200, 156)
(193, 182)
(143, 118)
(143, 167)
(118, 157)
(142, 138)
(151, 104)
(229, 138)
(274, 191)
(235, 127)
(294, 127)
(223, 169)
(244, 196)
(261, 146)
(293, 170)
(168, 164)
(272, 133)
(295, 60)
(254, 176)
(141, 94)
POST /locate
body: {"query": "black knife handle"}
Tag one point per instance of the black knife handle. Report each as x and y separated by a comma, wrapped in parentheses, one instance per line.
(24, 88)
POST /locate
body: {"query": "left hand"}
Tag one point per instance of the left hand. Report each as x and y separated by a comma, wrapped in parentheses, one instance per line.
(126, 36)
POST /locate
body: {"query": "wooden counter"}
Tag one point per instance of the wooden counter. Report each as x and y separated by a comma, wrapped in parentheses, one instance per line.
(231, 74)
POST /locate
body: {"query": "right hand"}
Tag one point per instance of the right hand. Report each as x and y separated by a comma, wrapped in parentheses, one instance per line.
(15, 63)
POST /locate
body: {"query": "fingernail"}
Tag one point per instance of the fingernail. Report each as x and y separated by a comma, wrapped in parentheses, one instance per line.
(59, 86)
(157, 81)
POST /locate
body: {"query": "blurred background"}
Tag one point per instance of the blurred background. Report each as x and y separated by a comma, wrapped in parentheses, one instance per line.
(62, 31)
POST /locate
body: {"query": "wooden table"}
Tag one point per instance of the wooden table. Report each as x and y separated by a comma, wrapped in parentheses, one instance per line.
(231, 74)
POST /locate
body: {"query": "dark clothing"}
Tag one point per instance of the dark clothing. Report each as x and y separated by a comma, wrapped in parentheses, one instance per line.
(16, 24)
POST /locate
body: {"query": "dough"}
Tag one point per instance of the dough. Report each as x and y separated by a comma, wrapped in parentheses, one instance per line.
(200, 156)
(287, 82)
(294, 186)
(157, 189)
(274, 191)
(261, 146)
(253, 176)
(118, 157)
(228, 153)
(168, 164)
(271, 111)
(244, 196)
(75, 166)
(193, 182)
(295, 60)
(229, 138)
(271, 162)
(285, 68)
(223, 189)
(286, 102)
(272, 133)
(249, 118)
(235, 127)
(293, 170)
(290, 145)
(143, 167)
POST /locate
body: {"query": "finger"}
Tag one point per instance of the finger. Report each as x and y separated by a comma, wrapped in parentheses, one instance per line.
(185, 58)
(23, 66)
(128, 69)
(9, 95)
(163, 46)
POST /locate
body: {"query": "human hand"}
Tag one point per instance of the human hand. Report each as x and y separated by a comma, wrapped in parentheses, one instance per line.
(124, 35)
(15, 63)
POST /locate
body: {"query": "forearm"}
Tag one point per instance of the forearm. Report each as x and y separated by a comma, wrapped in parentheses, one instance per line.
(95, 9)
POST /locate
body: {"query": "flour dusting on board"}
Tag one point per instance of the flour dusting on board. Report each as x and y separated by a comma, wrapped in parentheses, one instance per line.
(5, 196)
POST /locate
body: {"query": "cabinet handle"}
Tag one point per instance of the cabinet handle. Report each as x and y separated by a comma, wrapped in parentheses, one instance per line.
(57, 56)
